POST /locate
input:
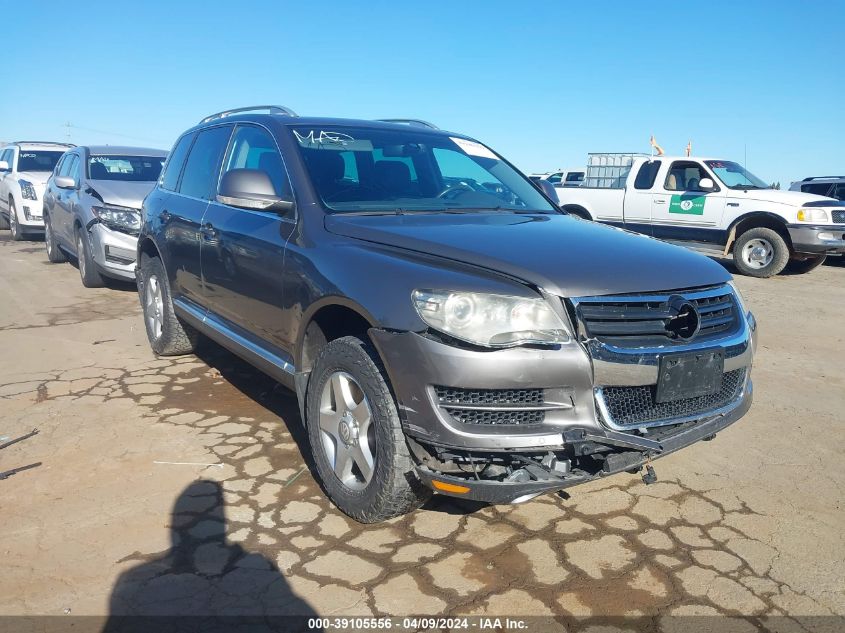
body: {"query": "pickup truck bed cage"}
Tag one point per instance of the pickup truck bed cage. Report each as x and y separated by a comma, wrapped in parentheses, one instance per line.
(609, 170)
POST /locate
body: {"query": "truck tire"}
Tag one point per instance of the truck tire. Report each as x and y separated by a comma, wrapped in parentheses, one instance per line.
(801, 266)
(54, 253)
(760, 252)
(167, 334)
(91, 277)
(360, 453)
(4, 222)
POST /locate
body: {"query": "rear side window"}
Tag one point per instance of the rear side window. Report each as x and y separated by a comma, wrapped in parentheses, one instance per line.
(647, 175)
(173, 166)
(202, 168)
(575, 177)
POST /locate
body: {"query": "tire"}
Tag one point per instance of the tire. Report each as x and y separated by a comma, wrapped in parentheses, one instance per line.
(91, 277)
(802, 266)
(4, 223)
(54, 253)
(370, 413)
(168, 335)
(14, 227)
(760, 252)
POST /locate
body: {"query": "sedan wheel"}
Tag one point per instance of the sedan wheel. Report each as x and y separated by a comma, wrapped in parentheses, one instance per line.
(346, 431)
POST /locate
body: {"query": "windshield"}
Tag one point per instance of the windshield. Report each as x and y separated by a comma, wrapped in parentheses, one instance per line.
(30, 160)
(125, 168)
(735, 176)
(376, 170)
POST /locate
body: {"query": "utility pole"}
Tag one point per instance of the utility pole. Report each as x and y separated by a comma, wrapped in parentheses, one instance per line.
(67, 127)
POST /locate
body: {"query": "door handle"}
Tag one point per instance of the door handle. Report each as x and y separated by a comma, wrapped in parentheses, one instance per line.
(165, 216)
(659, 202)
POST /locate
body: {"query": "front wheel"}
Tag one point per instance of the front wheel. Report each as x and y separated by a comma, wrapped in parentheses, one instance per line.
(801, 266)
(91, 277)
(359, 449)
(14, 227)
(760, 252)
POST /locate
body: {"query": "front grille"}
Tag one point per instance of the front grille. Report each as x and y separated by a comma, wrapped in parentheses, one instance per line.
(839, 216)
(632, 406)
(493, 406)
(643, 319)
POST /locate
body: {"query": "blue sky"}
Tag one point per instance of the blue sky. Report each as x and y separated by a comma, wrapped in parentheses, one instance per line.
(541, 82)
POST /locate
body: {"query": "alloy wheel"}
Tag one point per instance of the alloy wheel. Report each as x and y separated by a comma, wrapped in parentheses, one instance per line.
(154, 306)
(80, 255)
(13, 220)
(346, 431)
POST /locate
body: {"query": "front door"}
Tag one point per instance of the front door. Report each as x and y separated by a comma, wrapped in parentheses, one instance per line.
(243, 250)
(682, 210)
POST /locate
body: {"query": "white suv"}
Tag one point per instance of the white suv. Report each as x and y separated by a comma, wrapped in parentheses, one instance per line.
(25, 167)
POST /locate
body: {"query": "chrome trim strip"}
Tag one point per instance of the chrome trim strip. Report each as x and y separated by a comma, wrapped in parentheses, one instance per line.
(207, 319)
(715, 291)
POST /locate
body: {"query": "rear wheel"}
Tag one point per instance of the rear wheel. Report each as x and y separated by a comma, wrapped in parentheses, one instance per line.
(168, 335)
(91, 277)
(14, 227)
(359, 449)
(801, 266)
(54, 253)
(4, 223)
(760, 252)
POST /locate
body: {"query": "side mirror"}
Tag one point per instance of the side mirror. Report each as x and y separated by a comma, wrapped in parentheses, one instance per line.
(706, 184)
(4, 166)
(65, 182)
(251, 189)
(548, 189)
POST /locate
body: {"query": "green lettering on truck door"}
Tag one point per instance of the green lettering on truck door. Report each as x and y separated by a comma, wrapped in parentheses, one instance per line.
(687, 205)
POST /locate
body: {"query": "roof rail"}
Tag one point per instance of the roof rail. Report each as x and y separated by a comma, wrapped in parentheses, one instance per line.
(413, 122)
(42, 143)
(821, 178)
(272, 109)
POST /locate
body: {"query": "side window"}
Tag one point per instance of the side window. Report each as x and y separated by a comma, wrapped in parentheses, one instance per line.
(203, 165)
(838, 192)
(7, 156)
(67, 165)
(685, 175)
(821, 189)
(254, 148)
(575, 177)
(555, 178)
(173, 167)
(73, 165)
(647, 175)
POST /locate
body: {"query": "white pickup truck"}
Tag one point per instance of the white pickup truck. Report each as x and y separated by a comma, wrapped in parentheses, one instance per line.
(710, 204)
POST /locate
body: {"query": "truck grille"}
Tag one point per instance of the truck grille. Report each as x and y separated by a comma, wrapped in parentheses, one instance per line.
(839, 216)
(643, 319)
(632, 406)
(493, 406)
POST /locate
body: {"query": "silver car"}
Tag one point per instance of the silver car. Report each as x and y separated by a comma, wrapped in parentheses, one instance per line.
(92, 208)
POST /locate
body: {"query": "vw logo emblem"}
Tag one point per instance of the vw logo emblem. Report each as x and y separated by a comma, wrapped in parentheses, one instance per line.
(684, 321)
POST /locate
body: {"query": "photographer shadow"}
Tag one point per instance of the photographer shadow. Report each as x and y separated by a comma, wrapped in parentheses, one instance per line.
(203, 582)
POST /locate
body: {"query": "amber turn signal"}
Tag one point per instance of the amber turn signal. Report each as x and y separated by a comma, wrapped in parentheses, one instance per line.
(445, 487)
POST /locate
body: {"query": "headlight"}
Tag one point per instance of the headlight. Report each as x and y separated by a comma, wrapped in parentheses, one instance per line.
(740, 299)
(121, 219)
(27, 190)
(490, 320)
(812, 215)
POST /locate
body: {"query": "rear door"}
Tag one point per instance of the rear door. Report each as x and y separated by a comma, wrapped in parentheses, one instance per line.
(681, 210)
(639, 195)
(183, 210)
(243, 250)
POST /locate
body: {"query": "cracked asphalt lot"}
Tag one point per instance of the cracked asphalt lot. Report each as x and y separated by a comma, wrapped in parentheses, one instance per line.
(181, 485)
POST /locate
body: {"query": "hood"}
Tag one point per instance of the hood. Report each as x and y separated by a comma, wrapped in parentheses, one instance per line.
(35, 177)
(560, 254)
(124, 194)
(791, 198)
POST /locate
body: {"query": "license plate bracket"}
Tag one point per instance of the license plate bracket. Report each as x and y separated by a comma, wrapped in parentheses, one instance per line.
(689, 375)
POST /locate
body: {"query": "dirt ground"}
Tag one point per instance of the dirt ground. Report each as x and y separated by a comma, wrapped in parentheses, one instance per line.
(179, 486)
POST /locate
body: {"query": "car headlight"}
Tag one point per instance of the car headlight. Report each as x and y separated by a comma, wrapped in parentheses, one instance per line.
(812, 215)
(121, 219)
(740, 299)
(27, 190)
(490, 320)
